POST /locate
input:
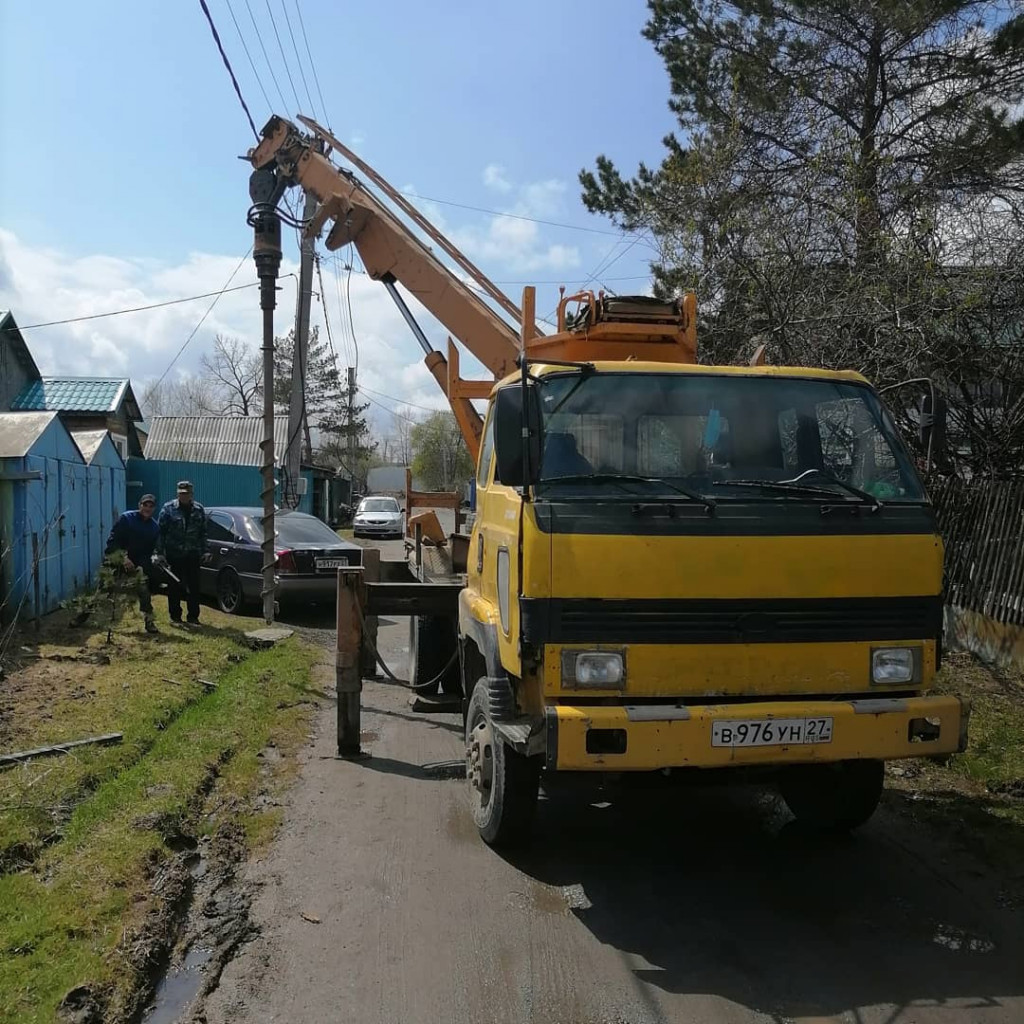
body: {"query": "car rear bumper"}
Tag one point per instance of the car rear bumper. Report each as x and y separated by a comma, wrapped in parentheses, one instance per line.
(322, 587)
(647, 737)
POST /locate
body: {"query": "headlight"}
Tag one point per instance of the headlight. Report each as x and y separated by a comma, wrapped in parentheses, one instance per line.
(896, 665)
(595, 669)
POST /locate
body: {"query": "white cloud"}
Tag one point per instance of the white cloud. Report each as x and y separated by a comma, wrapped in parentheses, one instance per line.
(494, 177)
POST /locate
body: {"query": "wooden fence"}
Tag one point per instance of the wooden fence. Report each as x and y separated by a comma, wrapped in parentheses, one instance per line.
(982, 523)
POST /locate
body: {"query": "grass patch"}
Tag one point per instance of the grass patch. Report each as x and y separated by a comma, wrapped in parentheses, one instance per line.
(191, 760)
(66, 684)
(345, 533)
(979, 794)
(995, 756)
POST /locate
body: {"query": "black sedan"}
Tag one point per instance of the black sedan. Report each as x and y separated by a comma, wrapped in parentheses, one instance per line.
(309, 555)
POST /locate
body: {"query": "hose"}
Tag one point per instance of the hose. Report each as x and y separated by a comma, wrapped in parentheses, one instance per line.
(391, 675)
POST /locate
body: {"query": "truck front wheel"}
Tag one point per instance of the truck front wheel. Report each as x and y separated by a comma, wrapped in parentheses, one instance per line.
(833, 797)
(503, 785)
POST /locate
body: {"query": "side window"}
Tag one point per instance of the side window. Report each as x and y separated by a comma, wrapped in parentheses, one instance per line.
(486, 452)
(219, 527)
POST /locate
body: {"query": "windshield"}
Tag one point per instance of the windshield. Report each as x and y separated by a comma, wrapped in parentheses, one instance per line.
(295, 528)
(749, 438)
(378, 505)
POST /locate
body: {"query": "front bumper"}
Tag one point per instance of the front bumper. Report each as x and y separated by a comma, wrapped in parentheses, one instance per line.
(377, 529)
(654, 736)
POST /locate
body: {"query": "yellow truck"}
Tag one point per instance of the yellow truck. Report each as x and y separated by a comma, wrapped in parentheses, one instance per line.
(673, 566)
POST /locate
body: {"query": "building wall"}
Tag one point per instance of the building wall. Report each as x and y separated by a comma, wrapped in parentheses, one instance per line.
(214, 484)
(13, 374)
(52, 511)
(117, 423)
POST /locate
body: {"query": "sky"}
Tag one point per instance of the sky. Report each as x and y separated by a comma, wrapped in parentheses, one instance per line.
(120, 183)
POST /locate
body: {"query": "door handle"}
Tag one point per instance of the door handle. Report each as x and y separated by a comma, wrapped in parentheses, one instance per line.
(479, 552)
(223, 551)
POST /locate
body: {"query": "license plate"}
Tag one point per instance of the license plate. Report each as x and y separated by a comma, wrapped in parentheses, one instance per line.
(323, 564)
(770, 732)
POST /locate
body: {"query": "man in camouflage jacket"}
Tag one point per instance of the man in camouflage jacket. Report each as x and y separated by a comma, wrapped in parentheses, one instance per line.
(183, 544)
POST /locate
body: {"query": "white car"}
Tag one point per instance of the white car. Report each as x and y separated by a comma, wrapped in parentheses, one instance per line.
(378, 516)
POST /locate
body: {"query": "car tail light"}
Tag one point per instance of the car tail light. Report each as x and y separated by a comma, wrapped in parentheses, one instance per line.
(286, 561)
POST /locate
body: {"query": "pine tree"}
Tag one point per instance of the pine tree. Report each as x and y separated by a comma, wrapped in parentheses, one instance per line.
(847, 186)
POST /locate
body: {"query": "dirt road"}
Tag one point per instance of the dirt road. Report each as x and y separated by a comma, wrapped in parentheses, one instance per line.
(378, 904)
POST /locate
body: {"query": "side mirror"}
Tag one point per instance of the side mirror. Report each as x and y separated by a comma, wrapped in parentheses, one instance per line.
(932, 428)
(510, 419)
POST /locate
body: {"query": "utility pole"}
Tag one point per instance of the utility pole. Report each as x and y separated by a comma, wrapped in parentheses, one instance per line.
(264, 189)
(300, 362)
(351, 431)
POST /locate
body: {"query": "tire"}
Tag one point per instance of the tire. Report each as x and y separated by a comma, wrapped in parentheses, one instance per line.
(432, 642)
(833, 797)
(503, 785)
(230, 597)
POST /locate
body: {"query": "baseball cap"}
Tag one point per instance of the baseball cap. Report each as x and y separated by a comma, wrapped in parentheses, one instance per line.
(147, 497)
(184, 485)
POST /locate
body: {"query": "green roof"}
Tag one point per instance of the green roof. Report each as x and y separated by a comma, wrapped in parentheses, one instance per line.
(72, 394)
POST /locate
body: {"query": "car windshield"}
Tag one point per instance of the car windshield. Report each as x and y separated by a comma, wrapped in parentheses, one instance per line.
(756, 438)
(378, 505)
(294, 528)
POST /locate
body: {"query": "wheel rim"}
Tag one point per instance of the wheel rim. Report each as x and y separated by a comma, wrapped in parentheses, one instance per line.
(480, 761)
(228, 591)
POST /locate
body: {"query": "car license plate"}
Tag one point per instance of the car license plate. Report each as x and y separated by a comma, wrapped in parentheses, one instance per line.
(323, 564)
(770, 732)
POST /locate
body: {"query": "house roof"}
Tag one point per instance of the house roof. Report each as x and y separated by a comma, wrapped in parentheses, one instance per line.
(19, 431)
(89, 442)
(73, 394)
(9, 332)
(223, 440)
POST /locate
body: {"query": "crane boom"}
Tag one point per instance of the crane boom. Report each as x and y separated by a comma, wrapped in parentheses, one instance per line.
(589, 326)
(391, 252)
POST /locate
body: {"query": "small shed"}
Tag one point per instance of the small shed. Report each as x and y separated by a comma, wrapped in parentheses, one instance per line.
(105, 470)
(44, 522)
(221, 456)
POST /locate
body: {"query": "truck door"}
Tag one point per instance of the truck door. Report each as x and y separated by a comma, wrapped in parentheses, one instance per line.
(494, 551)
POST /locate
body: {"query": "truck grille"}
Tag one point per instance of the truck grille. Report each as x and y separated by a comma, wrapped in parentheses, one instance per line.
(695, 621)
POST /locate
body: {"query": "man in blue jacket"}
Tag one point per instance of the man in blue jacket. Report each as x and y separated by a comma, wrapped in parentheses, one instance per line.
(182, 542)
(136, 534)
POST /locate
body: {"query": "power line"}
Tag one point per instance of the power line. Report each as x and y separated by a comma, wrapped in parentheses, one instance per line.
(400, 401)
(134, 309)
(380, 405)
(202, 319)
(245, 47)
(341, 313)
(298, 59)
(316, 77)
(323, 305)
(227, 64)
(511, 216)
(266, 56)
(334, 257)
(280, 46)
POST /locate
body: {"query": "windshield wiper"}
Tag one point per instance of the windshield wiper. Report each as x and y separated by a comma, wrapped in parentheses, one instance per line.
(792, 487)
(619, 478)
(828, 478)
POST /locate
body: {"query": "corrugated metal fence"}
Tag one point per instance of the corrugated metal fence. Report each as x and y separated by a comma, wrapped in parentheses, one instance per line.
(982, 523)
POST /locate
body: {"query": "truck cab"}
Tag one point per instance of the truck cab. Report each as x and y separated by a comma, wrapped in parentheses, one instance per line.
(696, 567)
